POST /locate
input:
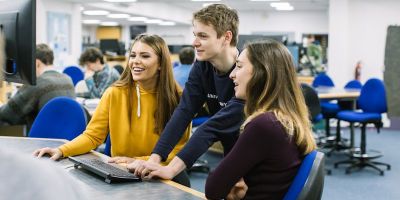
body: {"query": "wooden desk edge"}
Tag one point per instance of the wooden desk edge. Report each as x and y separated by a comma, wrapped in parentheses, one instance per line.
(184, 188)
(339, 95)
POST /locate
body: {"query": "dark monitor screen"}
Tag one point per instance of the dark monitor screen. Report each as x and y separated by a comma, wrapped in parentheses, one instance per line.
(18, 26)
(174, 49)
(136, 30)
(110, 45)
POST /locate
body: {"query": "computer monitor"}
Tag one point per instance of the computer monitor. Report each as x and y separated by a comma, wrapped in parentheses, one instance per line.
(110, 45)
(295, 51)
(18, 25)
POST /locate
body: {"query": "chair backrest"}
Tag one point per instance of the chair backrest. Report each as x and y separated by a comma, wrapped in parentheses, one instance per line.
(353, 84)
(309, 181)
(75, 73)
(323, 80)
(107, 149)
(373, 97)
(61, 117)
(312, 101)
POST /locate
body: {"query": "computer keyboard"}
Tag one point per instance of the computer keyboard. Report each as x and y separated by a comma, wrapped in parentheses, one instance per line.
(105, 170)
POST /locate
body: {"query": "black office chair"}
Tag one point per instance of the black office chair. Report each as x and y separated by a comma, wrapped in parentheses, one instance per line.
(314, 108)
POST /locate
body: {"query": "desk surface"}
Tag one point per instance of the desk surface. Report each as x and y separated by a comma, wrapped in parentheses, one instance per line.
(94, 186)
(337, 93)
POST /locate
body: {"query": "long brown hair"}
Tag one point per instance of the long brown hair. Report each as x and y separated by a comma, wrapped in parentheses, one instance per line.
(275, 77)
(167, 89)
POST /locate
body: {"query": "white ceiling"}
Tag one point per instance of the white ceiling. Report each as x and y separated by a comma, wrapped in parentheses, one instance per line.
(240, 5)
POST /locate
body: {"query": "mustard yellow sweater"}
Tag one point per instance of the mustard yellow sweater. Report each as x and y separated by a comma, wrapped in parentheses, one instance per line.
(111, 116)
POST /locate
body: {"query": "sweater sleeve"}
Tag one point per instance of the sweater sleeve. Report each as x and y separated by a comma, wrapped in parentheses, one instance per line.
(224, 126)
(244, 156)
(20, 105)
(192, 99)
(95, 133)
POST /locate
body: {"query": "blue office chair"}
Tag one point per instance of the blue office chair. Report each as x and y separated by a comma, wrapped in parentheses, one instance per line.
(61, 117)
(75, 73)
(107, 149)
(372, 102)
(308, 184)
(322, 80)
(340, 144)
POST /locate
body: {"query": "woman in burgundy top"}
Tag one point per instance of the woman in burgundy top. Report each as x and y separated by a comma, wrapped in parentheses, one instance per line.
(276, 134)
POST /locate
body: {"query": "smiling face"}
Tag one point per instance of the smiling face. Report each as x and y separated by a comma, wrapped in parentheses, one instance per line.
(144, 64)
(207, 45)
(242, 74)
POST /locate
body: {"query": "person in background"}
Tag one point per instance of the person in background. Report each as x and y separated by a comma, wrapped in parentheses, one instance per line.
(216, 33)
(276, 134)
(24, 106)
(98, 75)
(181, 72)
(135, 110)
(314, 54)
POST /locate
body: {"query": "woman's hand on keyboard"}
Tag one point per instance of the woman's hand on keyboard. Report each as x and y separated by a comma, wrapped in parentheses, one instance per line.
(54, 153)
(121, 159)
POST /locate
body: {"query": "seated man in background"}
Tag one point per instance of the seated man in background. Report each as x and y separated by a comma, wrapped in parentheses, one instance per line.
(181, 72)
(98, 76)
(23, 107)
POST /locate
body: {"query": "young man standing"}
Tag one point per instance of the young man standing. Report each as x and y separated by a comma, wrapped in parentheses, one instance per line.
(215, 32)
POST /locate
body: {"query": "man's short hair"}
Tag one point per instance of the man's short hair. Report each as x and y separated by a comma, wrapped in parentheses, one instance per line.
(91, 54)
(186, 55)
(44, 54)
(222, 18)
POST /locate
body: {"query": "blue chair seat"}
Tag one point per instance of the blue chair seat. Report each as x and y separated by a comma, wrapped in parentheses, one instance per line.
(330, 108)
(317, 118)
(362, 117)
(199, 120)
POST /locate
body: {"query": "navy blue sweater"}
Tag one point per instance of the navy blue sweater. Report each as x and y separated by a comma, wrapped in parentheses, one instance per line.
(203, 86)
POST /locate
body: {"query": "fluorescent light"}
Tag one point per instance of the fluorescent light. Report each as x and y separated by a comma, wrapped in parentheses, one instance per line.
(285, 8)
(120, 1)
(167, 23)
(109, 23)
(118, 16)
(91, 21)
(153, 21)
(280, 4)
(137, 19)
(95, 12)
(264, 0)
(206, 0)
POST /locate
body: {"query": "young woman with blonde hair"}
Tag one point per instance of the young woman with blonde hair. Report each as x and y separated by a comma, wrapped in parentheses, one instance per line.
(135, 110)
(276, 133)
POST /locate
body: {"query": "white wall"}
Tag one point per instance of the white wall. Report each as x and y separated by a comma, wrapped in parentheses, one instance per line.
(297, 22)
(176, 35)
(73, 9)
(358, 32)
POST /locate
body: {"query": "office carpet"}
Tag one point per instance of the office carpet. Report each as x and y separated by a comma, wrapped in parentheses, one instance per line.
(361, 185)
